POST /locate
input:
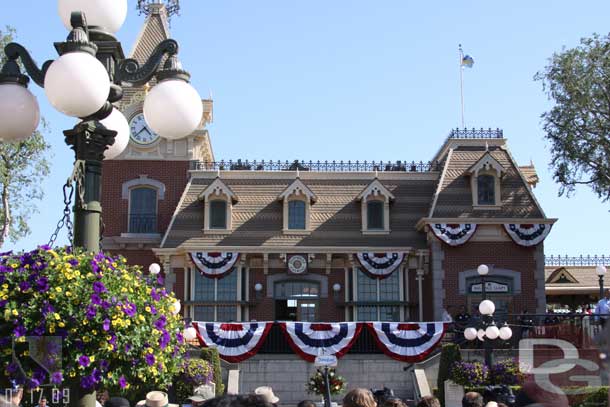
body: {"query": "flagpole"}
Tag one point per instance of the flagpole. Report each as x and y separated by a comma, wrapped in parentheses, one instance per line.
(461, 57)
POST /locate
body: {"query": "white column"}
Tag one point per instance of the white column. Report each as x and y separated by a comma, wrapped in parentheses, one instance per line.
(420, 278)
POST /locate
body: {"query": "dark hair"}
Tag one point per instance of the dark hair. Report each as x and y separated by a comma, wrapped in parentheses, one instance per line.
(429, 401)
(393, 402)
(116, 402)
(245, 400)
(306, 403)
(472, 399)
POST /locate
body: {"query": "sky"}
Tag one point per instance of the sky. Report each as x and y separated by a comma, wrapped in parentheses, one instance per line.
(354, 80)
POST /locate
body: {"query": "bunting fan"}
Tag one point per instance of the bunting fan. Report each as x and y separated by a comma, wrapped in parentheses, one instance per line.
(411, 342)
(454, 234)
(214, 265)
(527, 234)
(235, 342)
(310, 339)
(380, 265)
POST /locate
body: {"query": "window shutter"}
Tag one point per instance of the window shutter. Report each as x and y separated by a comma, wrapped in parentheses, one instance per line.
(218, 215)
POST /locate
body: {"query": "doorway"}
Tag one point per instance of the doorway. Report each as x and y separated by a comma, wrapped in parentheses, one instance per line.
(296, 300)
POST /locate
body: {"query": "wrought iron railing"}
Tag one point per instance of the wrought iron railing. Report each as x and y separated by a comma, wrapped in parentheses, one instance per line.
(316, 166)
(576, 260)
(476, 133)
(143, 223)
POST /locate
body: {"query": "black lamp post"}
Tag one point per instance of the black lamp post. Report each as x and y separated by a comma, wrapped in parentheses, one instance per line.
(601, 272)
(84, 82)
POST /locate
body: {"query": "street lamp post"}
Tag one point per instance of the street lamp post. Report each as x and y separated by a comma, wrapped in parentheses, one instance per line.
(601, 272)
(84, 82)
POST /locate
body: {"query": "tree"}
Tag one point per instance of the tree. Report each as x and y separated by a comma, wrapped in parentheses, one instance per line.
(23, 167)
(578, 125)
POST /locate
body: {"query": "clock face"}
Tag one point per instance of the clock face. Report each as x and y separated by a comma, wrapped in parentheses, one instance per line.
(140, 132)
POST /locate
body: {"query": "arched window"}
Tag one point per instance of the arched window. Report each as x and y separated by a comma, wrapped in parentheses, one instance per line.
(375, 215)
(218, 214)
(143, 210)
(486, 187)
(296, 214)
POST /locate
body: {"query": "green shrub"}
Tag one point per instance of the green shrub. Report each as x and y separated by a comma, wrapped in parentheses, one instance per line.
(597, 397)
(194, 372)
(212, 356)
(450, 353)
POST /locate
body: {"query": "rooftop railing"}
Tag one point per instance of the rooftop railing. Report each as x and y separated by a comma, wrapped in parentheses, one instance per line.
(476, 133)
(576, 260)
(316, 166)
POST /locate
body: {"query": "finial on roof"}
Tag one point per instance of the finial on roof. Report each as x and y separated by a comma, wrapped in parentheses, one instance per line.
(298, 173)
(376, 173)
(486, 146)
(148, 7)
(218, 172)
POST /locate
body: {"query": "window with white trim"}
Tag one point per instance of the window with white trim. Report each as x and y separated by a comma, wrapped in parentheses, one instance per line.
(486, 189)
(375, 208)
(296, 214)
(374, 213)
(142, 210)
(218, 200)
(485, 177)
(218, 298)
(373, 290)
(218, 214)
(297, 200)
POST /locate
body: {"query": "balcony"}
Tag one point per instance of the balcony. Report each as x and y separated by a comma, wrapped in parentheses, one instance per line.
(143, 223)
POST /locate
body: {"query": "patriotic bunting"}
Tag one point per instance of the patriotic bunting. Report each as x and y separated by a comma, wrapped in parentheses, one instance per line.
(235, 342)
(309, 339)
(410, 342)
(527, 234)
(454, 234)
(214, 265)
(380, 265)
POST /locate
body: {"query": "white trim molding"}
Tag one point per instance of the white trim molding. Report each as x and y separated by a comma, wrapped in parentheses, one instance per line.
(143, 181)
(297, 191)
(218, 191)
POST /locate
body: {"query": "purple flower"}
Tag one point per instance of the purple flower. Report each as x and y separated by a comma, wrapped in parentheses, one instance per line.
(127, 348)
(122, 382)
(73, 262)
(47, 308)
(57, 378)
(160, 279)
(95, 299)
(3, 303)
(43, 284)
(155, 296)
(12, 367)
(19, 331)
(84, 361)
(91, 312)
(33, 383)
(106, 324)
(87, 382)
(130, 309)
(179, 337)
(112, 340)
(99, 287)
(105, 305)
(164, 340)
(104, 364)
(153, 310)
(160, 323)
(150, 359)
(44, 247)
(24, 286)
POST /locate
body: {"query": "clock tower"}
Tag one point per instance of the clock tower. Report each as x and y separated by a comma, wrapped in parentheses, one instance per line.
(142, 186)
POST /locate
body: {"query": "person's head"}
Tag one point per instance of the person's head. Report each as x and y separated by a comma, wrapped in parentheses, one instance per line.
(393, 402)
(116, 402)
(267, 394)
(359, 398)
(246, 400)
(472, 399)
(431, 401)
(42, 402)
(306, 403)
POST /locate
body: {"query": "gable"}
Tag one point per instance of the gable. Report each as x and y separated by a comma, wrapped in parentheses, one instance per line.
(561, 276)
(298, 187)
(218, 188)
(375, 188)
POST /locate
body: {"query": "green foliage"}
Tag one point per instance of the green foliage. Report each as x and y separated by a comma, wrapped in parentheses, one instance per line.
(591, 397)
(577, 80)
(23, 167)
(92, 321)
(317, 383)
(450, 353)
(470, 373)
(212, 356)
(194, 372)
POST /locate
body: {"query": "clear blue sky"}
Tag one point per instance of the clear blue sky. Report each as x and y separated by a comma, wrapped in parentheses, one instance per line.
(359, 80)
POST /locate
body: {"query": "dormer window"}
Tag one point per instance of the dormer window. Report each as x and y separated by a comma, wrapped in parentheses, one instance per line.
(297, 199)
(375, 206)
(218, 201)
(485, 177)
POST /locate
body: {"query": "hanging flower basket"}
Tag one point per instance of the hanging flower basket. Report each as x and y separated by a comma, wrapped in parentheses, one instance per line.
(317, 385)
(72, 318)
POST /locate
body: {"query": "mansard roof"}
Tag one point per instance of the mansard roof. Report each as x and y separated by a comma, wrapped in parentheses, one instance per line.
(298, 188)
(375, 188)
(453, 198)
(335, 218)
(218, 188)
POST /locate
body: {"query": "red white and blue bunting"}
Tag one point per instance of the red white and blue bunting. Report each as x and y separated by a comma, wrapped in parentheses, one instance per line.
(454, 234)
(309, 339)
(380, 265)
(527, 234)
(407, 342)
(214, 264)
(235, 342)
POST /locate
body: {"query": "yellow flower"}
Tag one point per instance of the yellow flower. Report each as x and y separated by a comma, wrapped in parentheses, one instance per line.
(147, 309)
(114, 264)
(52, 296)
(110, 347)
(109, 375)
(56, 316)
(52, 329)
(68, 294)
(61, 324)
(5, 286)
(141, 318)
(58, 289)
(72, 374)
(86, 339)
(150, 350)
(85, 322)
(15, 312)
(92, 358)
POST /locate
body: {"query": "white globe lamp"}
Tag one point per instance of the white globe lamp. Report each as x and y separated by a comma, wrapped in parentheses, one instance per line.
(117, 122)
(336, 287)
(19, 112)
(173, 109)
(108, 15)
(483, 270)
(154, 269)
(258, 287)
(487, 307)
(77, 84)
(506, 333)
(600, 270)
(470, 334)
(492, 332)
(481, 334)
(177, 307)
(189, 333)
